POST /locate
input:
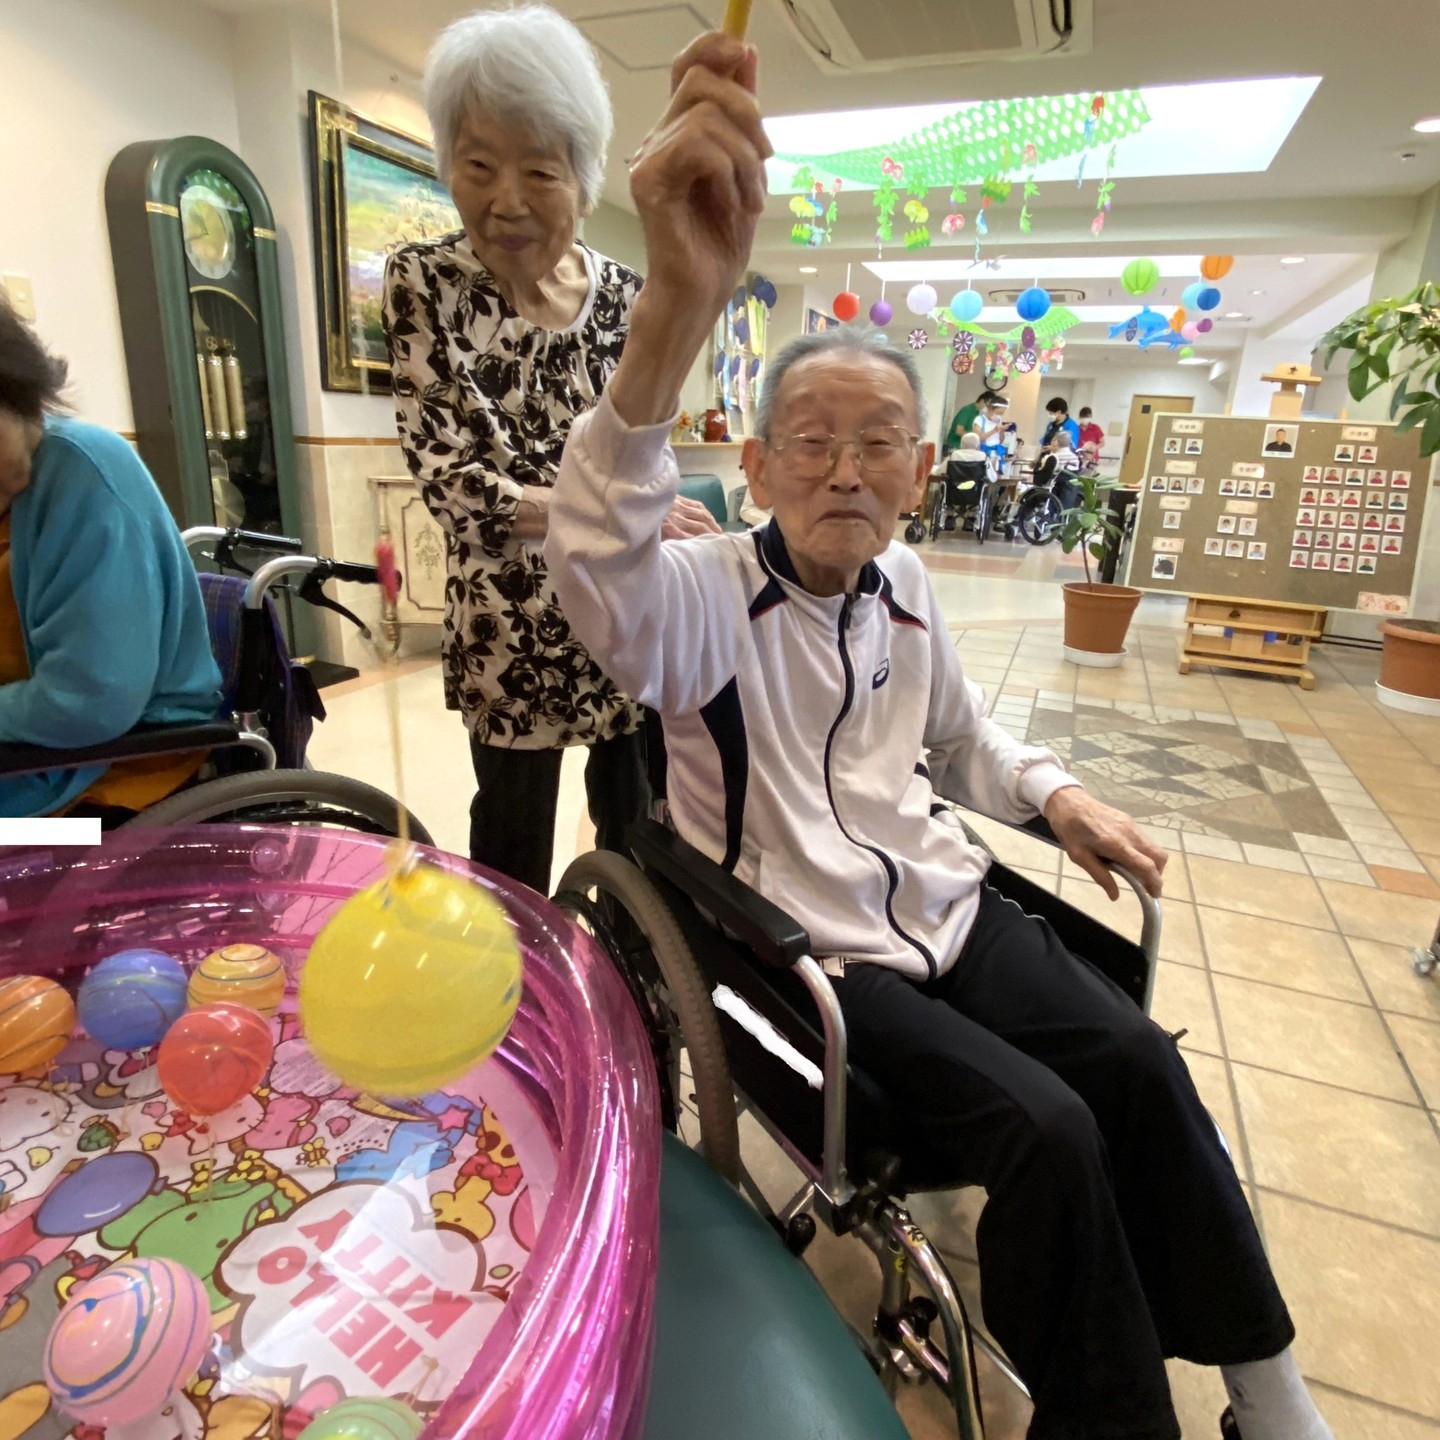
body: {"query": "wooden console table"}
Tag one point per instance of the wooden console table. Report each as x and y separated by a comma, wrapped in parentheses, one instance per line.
(1270, 637)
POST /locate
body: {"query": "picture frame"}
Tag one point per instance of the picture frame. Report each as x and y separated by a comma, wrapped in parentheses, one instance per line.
(1234, 549)
(373, 188)
(1225, 525)
(1214, 545)
(817, 322)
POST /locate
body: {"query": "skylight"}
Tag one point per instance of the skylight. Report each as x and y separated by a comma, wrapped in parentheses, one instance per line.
(1219, 127)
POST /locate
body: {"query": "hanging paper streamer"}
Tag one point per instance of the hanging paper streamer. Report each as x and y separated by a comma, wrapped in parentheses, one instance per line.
(917, 236)
(1102, 201)
(814, 209)
(891, 174)
(1030, 156)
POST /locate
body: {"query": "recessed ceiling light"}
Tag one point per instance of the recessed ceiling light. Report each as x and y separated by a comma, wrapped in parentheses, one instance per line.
(809, 269)
(1292, 259)
(1257, 292)
(1195, 360)
(1234, 315)
(1430, 125)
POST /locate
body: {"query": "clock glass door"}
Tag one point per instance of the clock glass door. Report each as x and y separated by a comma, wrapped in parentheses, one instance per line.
(219, 240)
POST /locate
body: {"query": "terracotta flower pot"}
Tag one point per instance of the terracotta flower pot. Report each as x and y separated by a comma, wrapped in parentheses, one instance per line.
(1410, 666)
(1096, 619)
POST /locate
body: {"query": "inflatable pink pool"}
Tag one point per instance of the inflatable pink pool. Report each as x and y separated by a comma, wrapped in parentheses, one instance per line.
(486, 1255)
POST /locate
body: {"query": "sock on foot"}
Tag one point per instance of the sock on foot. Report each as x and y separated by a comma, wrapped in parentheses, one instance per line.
(1272, 1402)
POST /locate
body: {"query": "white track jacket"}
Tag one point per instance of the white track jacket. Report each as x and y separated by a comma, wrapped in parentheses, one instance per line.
(810, 739)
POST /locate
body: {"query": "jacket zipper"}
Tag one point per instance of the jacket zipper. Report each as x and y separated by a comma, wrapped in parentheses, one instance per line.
(892, 875)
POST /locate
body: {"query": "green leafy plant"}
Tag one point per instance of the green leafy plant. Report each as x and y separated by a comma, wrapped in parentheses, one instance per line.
(1089, 523)
(1396, 341)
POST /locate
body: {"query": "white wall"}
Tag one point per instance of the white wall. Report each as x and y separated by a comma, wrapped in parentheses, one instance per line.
(83, 79)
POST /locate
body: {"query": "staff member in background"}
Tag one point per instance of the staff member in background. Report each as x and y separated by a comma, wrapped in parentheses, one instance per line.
(102, 627)
(499, 336)
(1092, 437)
(1059, 411)
(966, 416)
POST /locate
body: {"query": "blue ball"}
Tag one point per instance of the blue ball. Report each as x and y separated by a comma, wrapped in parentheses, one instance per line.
(130, 999)
(1033, 304)
(1190, 295)
(1208, 298)
(966, 306)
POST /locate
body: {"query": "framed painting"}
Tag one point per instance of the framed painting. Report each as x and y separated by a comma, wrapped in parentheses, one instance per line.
(373, 188)
(817, 321)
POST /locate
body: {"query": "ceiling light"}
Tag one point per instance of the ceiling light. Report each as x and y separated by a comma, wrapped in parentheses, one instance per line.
(1234, 315)
(1257, 292)
(1430, 125)
(1196, 360)
(1292, 259)
(809, 269)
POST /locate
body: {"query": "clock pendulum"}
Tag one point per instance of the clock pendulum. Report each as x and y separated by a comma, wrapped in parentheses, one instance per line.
(204, 375)
(215, 376)
(234, 391)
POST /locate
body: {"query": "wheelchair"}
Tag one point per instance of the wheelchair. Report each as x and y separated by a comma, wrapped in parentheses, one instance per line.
(965, 491)
(255, 771)
(742, 1019)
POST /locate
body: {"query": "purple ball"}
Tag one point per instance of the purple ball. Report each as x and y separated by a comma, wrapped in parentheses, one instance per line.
(1205, 326)
(882, 312)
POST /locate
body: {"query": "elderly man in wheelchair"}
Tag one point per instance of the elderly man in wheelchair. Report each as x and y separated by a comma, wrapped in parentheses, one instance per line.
(817, 721)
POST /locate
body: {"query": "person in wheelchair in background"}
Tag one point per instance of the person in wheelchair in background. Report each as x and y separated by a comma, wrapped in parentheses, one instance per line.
(816, 714)
(102, 627)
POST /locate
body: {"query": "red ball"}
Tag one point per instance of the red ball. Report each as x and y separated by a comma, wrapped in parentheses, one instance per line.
(214, 1056)
(846, 305)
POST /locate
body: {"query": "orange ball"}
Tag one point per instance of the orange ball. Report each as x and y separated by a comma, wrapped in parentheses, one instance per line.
(212, 1057)
(1216, 267)
(36, 1018)
(846, 305)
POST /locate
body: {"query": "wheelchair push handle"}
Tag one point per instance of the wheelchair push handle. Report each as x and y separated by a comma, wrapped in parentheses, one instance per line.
(316, 568)
(228, 539)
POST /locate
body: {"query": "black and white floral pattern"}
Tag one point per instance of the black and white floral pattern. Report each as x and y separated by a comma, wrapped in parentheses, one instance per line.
(484, 401)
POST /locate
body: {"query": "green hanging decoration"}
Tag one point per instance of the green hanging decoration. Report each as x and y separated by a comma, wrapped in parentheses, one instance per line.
(980, 140)
(917, 236)
(815, 209)
(1030, 157)
(885, 200)
(1102, 201)
(1053, 324)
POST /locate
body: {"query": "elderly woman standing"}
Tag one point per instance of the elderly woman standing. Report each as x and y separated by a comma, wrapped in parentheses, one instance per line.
(499, 336)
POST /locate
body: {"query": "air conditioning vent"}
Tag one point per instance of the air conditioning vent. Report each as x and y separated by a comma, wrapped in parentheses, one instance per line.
(1057, 297)
(901, 34)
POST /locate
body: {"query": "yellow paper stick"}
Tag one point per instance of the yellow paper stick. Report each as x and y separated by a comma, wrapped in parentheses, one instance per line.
(737, 17)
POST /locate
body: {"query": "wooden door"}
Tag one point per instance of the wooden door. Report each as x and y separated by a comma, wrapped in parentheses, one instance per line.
(1143, 410)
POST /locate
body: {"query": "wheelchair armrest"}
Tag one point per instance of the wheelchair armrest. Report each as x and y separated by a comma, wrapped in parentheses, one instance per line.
(1040, 828)
(774, 936)
(18, 759)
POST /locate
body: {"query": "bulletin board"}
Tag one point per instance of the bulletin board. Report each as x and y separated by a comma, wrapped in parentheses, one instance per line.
(1313, 512)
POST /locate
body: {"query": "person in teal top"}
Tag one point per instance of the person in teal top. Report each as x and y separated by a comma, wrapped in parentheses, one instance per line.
(967, 415)
(102, 626)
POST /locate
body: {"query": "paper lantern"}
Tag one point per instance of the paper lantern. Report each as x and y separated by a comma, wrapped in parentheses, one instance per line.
(921, 300)
(1187, 352)
(966, 305)
(1205, 326)
(1190, 295)
(846, 305)
(1208, 298)
(1216, 267)
(1177, 317)
(1190, 330)
(1033, 304)
(882, 312)
(1140, 277)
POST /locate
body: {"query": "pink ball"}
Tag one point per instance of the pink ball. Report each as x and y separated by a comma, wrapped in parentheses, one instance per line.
(882, 312)
(1190, 330)
(127, 1340)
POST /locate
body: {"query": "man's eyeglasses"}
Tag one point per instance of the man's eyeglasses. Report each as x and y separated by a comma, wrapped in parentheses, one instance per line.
(879, 450)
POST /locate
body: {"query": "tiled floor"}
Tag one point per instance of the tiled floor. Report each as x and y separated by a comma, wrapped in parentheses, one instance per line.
(1305, 830)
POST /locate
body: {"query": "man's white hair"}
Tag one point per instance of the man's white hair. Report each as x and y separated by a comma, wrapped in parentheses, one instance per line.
(527, 65)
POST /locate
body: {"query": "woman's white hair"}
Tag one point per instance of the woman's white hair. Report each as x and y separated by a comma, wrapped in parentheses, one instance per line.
(527, 64)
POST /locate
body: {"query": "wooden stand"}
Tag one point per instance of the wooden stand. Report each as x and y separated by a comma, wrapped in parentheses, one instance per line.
(1246, 646)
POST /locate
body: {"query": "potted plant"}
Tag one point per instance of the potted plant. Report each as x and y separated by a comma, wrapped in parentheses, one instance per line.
(1398, 341)
(1097, 616)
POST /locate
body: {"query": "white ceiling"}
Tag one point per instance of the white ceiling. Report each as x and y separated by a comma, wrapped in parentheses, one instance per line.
(1337, 192)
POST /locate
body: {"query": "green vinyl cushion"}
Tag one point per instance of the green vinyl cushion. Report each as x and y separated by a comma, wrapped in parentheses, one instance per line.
(708, 490)
(747, 1345)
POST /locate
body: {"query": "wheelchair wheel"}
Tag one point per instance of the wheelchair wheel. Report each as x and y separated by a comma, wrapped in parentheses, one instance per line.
(1039, 523)
(984, 515)
(619, 905)
(284, 797)
(914, 532)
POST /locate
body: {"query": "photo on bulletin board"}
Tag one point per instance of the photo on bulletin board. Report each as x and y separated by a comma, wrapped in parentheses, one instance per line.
(1163, 567)
(1344, 454)
(1280, 440)
(1172, 520)
(1366, 454)
(817, 322)
(1194, 447)
(1214, 545)
(1235, 549)
(1172, 445)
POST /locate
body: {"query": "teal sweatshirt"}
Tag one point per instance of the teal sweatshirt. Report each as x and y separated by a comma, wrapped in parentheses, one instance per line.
(114, 624)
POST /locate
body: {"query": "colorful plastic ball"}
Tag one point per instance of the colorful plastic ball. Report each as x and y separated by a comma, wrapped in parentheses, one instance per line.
(1190, 329)
(364, 1418)
(1205, 326)
(1208, 298)
(922, 299)
(212, 1057)
(1216, 267)
(882, 312)
(428, 945)
(130, 999)
(247, 975)
(36, 1018)
(1033, 304)
(127, 1340)
(1187, 352)
(1190, 295)
(966, 306)
(846, 305)
(1140, 277)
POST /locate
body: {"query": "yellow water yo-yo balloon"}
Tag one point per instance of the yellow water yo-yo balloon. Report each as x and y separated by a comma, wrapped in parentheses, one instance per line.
(248, 975)
(411, 982)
